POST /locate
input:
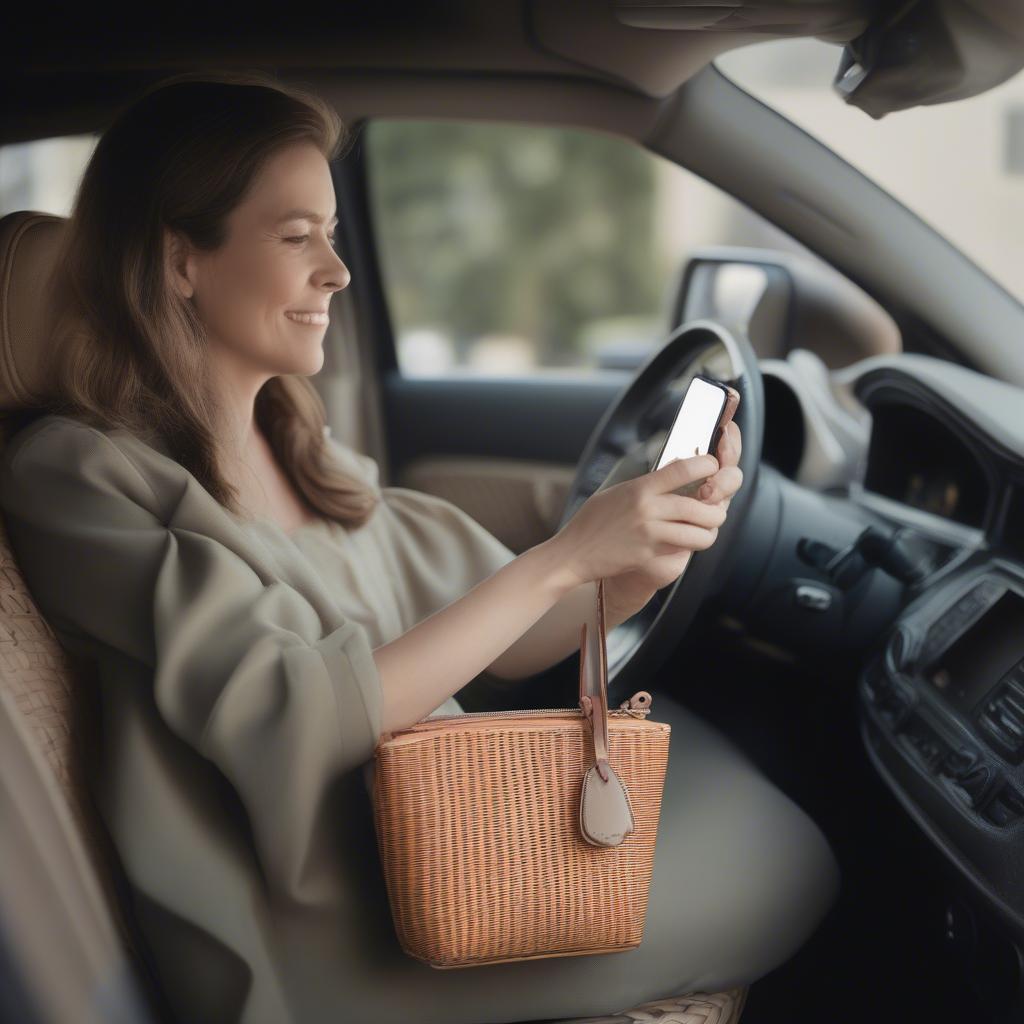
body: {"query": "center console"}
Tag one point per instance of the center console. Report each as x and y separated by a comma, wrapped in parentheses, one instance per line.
(943, 722)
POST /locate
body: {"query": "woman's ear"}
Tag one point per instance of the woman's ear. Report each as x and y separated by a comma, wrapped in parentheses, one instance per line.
(178, 263)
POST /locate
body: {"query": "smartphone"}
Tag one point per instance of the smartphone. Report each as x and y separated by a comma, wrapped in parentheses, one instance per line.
(706, 408)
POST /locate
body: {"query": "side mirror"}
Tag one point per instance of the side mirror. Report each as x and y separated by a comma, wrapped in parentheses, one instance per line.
(782, 301)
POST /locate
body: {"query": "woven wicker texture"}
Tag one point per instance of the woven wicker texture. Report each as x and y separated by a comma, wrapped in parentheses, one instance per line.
(694, 1008)
(56, 693)
(479, 837)
(39, 674)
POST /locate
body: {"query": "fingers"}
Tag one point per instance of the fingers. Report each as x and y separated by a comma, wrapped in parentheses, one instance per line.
(678, 508)
(681, 471)
(724, 484)
(684, 535)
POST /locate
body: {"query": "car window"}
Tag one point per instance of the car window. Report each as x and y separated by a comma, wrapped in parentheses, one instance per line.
(959, 166)
(43, 174)
(513, 249)
(506, 249)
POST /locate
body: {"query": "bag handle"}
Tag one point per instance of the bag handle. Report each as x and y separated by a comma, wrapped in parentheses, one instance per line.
(606, 816)
(594, 696)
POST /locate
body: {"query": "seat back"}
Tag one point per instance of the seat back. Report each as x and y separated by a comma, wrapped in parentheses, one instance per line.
(63, 898)
(60, 891)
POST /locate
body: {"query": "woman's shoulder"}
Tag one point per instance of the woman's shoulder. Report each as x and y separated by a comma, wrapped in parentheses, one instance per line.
(46, 423)
(59, 470)
(47, 440)
(60, 438)
(58, 459)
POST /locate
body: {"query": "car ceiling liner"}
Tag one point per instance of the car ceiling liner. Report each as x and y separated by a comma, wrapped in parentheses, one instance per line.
(895, 55)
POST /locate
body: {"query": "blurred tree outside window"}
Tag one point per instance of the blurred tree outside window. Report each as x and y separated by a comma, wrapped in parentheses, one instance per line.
(516, 250)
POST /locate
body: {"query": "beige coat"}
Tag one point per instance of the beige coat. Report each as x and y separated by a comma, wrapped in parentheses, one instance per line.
(238, 680)
(239, 693)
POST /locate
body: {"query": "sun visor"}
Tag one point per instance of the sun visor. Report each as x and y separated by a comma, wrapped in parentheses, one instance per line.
(656, 45)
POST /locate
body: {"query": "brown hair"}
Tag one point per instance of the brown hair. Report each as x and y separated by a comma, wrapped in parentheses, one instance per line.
(128, 351)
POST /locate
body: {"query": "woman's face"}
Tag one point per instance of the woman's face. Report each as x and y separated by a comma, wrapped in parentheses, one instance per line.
(278, 260)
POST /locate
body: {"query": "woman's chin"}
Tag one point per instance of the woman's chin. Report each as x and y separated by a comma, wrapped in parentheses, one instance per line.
(303, 363)
(312, 365)
(311, 348)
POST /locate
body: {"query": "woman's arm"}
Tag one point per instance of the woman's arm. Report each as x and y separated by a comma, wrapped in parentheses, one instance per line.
(437, 657)
(524, 618)
(557, 635)
(485, 613)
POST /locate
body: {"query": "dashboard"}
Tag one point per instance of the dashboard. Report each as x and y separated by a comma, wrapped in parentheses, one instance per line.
(935, 453)
(928, 443)
(919, 461)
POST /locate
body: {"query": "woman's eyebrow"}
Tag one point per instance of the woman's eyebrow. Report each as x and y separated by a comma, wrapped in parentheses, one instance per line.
(305, 215)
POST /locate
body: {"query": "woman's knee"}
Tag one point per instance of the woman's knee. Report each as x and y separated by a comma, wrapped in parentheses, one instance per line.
(794, 882)
(745, 875)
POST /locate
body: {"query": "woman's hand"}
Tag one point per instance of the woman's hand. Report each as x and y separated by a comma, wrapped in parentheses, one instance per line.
(625, 526)
(628, 592)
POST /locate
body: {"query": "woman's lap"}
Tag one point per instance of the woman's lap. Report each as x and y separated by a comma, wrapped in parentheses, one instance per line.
(742, 877)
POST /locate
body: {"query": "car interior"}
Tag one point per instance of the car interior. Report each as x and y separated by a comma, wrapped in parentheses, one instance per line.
(857, 628)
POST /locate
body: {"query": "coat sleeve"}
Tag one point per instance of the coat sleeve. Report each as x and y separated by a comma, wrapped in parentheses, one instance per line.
(243, 669)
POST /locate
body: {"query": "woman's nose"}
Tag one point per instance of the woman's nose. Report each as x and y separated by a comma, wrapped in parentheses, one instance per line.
(338, 277)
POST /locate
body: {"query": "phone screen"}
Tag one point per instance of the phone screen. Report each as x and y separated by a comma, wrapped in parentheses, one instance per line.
(695, 423)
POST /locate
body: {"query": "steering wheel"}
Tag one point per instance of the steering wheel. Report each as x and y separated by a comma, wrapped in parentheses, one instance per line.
(625, 444)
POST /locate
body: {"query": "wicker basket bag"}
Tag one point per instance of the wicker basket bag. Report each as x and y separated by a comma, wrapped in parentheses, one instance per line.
(518, 835)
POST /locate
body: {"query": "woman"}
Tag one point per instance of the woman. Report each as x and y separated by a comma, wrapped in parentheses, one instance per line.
(260, 609)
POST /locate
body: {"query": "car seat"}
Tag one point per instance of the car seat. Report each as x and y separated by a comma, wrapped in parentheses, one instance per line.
(65, 907)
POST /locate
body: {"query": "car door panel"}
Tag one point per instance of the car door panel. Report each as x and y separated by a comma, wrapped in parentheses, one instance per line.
(503, 450)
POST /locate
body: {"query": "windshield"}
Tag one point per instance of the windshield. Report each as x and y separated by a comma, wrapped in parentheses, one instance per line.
(959, 166)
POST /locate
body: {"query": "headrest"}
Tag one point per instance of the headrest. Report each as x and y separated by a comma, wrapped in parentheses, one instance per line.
(28, 249)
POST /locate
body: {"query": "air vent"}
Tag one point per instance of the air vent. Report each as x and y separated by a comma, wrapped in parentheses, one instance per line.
(1002, 715)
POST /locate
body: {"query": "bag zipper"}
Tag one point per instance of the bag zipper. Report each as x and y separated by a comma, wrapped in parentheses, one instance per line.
(634, 708)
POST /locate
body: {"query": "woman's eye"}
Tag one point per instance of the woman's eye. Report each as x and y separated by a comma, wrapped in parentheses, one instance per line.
(299, 239)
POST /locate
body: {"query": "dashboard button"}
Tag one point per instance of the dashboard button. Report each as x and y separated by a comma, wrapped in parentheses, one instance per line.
(974, 785)
(809, 596)
(1005, 807)
(958, 762)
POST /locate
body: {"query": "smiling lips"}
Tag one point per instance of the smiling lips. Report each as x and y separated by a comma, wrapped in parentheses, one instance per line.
(315, 319)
